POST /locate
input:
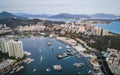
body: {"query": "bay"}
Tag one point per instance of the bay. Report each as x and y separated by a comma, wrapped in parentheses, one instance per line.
(34, 45)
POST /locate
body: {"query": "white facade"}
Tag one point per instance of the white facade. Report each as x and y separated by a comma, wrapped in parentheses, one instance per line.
(15, 49)
(10, 47)
(18, 49)
(3, 46)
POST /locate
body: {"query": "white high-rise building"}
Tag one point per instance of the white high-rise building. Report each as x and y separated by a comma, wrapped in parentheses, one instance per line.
(18, 49)
(3, 46)
(15, 49)
(10, 47)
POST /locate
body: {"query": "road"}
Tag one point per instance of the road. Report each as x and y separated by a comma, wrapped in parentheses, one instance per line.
(104, 65)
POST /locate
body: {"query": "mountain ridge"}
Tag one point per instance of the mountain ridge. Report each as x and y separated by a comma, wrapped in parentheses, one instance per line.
(5, 14)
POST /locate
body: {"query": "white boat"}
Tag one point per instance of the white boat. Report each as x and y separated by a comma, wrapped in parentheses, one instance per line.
(57, 67)
(67, 46)
(34, 70)
(20, 68)
(27, 53)
(49, 43)
(60, 47)
(30, 60)
(90, 71)
(12, 72)
(48, 70)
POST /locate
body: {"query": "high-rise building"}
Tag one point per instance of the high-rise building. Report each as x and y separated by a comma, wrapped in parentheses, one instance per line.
(18, 49)
(15, 49)
(105, 32)
(3, 46)
(10, 47)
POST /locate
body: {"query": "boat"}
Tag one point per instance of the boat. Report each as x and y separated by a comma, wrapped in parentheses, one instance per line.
(67, 46)
(78, 73)
(60, 47)
(57, 67)
(78, 65)
(27, 53)
(34, 70)
(48, 70)
(62, 55)
(19, 68)
(29, 60)
(49, 44)
(71, 52)
(12, 72)
(68, 50)
(90, 71)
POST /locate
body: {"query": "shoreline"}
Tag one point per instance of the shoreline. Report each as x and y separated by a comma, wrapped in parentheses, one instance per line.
(110, 32)
(81, 50)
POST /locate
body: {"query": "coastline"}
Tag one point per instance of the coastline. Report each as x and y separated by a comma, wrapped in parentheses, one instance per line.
(81, 50)
(111, 27)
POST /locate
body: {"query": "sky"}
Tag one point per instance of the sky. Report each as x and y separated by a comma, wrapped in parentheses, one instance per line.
(61, 6)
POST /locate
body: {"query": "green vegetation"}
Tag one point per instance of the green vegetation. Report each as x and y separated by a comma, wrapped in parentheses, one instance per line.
(104, 42)
(100, 42)
(11, 22)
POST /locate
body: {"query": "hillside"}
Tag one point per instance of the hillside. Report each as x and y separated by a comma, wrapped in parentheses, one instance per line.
(11, 22)
(4, 15)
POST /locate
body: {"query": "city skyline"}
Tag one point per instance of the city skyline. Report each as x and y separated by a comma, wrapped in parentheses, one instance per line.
(64, 6)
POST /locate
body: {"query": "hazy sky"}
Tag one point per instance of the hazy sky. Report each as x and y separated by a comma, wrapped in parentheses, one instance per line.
(61, 6)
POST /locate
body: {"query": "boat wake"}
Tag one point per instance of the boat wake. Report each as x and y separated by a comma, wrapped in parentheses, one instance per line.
(41, 59)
